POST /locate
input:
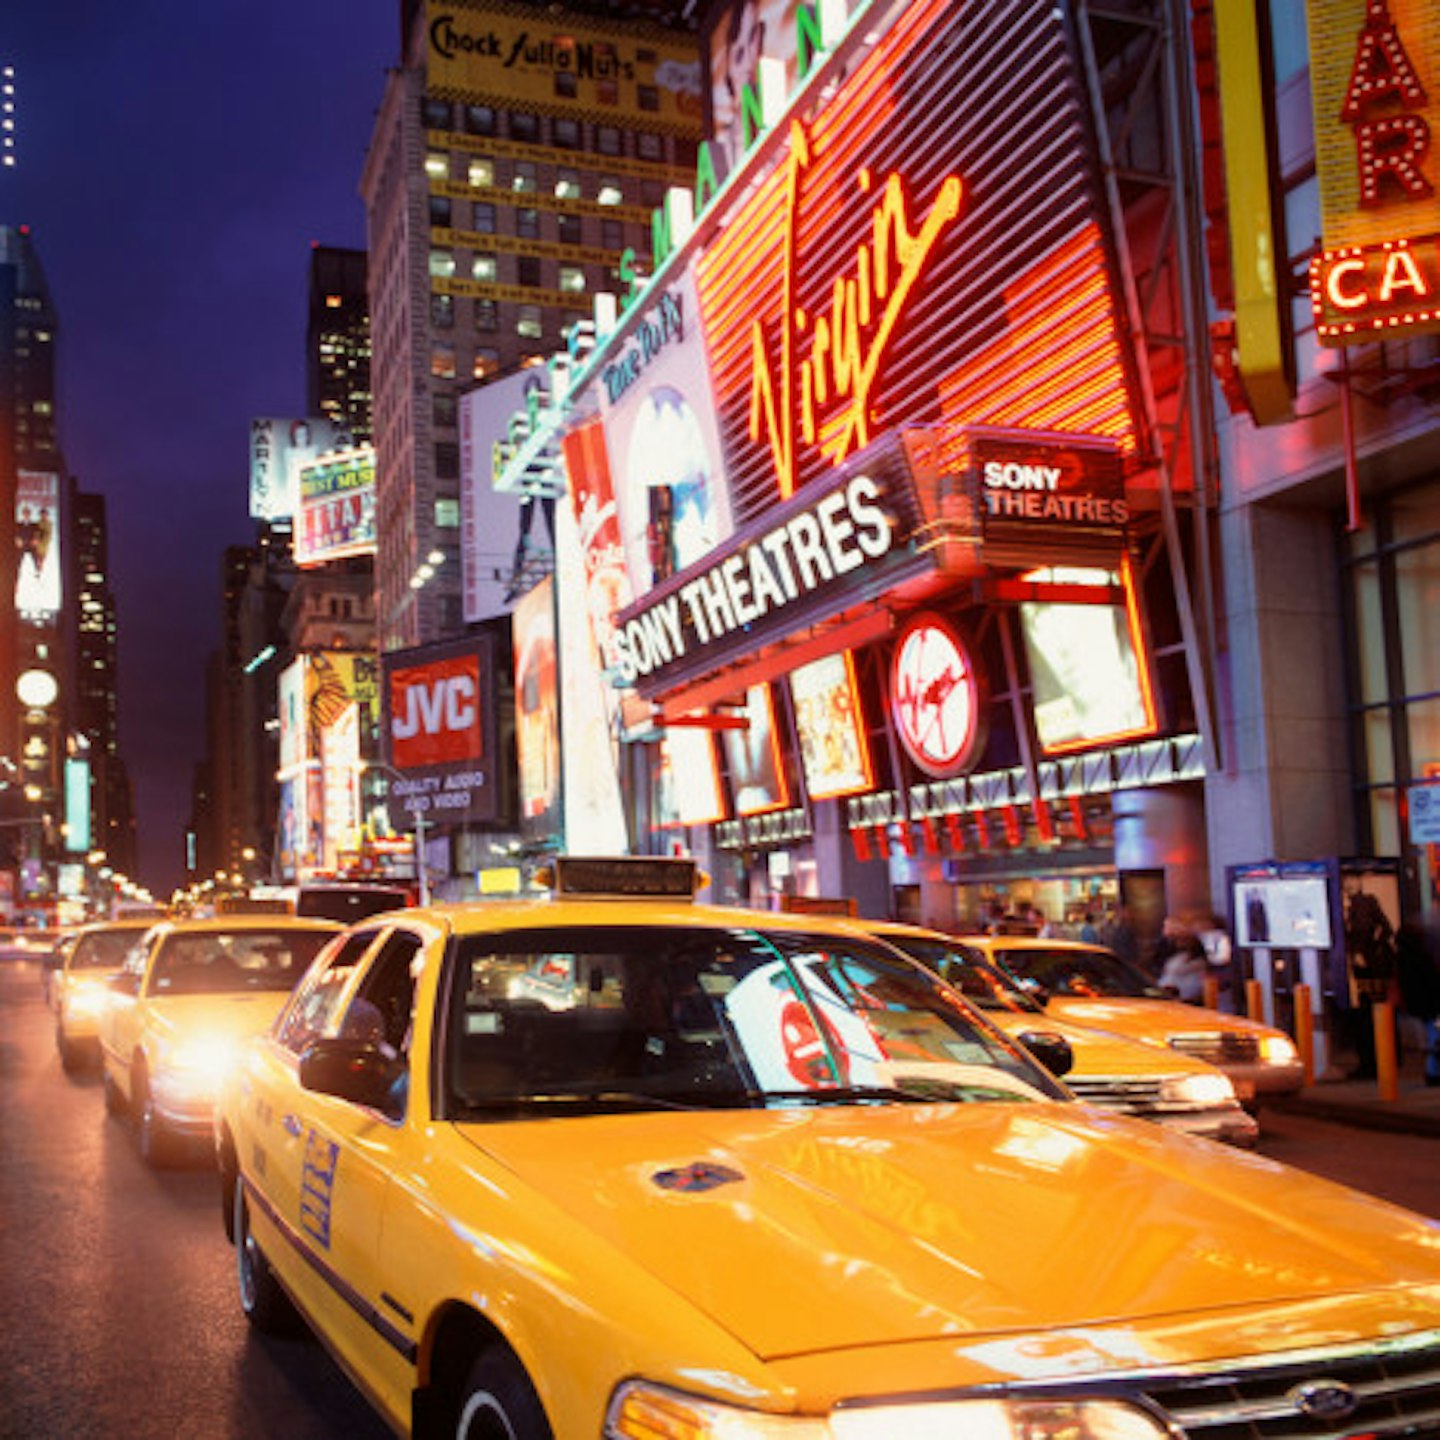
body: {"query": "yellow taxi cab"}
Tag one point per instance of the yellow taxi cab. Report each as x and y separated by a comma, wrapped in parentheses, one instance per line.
(178, 1008)
(765, 1177)
(1111, 1070)
(1091, 986)
(79, 992)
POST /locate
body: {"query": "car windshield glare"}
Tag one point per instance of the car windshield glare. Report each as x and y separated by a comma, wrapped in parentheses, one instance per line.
(549, 1021)
(231, 962)
(1084, 973)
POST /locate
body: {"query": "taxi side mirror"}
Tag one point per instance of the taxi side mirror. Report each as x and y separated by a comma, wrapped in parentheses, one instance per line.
(359, 1071)
(1051, 1050)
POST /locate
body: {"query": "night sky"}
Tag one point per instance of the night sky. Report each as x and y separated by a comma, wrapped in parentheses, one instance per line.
(175, 165)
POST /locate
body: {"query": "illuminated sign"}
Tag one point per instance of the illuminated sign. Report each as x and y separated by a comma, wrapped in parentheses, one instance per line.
(910, 261)
(279, 450)
(1375, 85)
(831, 728)
(537, 716)
(37, 538)
(337, 508)
(440, 718)
(1362, 292)
(624, 75)
(757, 772)
(935, 697)
(1037, 489)
(809, 551)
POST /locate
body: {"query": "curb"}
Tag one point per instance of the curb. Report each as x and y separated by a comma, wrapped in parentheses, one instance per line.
(1375, 1115)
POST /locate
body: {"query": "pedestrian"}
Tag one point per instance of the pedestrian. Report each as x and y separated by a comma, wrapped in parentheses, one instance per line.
(1120, 936)
(1417, 969)
(1219, 953)
(1181, 962)
(1089, 928)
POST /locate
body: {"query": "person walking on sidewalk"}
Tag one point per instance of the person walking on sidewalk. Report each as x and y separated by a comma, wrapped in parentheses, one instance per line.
(1417, 967)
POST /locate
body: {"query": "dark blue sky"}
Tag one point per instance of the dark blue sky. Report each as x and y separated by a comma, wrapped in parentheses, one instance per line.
(176, 161)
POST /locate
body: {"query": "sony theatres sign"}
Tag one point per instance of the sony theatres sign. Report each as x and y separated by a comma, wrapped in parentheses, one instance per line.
(1375, 81)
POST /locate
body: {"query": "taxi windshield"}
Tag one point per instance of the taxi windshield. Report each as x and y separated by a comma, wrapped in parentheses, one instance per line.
(978, 982)
(1088, 973)
(220, 962)
(629, 1017)
(103, 949)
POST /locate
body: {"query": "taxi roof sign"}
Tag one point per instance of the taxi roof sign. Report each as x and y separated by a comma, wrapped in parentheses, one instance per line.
(623, 877)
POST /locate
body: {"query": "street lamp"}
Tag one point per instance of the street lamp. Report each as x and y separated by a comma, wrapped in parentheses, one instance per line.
(392, 774)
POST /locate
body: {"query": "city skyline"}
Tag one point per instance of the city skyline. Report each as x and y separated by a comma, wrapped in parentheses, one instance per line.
(173, 184)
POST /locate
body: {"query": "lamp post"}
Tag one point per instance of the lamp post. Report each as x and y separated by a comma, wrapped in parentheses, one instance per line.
(416, 816)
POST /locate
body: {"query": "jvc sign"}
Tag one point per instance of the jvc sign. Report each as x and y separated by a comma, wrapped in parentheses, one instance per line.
(441, 724)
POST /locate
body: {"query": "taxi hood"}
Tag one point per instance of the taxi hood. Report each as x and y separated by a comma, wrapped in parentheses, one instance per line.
(806, 1230)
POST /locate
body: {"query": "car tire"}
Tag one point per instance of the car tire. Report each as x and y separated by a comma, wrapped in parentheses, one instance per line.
(72, 1056)
(156, 1144)
(114, 1101)
(498, 1402)
(266, 1305)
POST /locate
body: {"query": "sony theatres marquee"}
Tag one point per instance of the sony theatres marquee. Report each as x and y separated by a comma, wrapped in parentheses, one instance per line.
(876, 396)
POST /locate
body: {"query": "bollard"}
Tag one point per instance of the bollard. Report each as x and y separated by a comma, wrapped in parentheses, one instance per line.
(1212, 993)
(1305, 1031)
(1387, 1070)
(1255, 1000)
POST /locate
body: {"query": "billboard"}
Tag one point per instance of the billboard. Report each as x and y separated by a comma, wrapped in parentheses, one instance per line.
(336, 518)
(279, 450)
(753, 756)
(663, 442)
(37, 539)
(643, 79)
(908, 260)
(834, 752)
(441, 723)
(537, 717)
(490, 519)
(1375, 87)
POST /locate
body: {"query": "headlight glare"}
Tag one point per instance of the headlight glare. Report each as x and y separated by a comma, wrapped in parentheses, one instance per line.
(646, 1412)
(1201, 1090)
(1278, 1050)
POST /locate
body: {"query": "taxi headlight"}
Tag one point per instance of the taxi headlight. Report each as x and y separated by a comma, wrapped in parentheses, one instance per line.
(1204, 1090)
(646, 1412)
(202, 1063)
(85, 997)
(1278, 1050)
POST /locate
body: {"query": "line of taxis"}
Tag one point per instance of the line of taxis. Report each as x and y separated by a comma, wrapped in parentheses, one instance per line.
(619, 1164)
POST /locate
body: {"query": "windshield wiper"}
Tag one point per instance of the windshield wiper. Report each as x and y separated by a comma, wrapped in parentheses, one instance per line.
(852, 1094)
(567, 1100)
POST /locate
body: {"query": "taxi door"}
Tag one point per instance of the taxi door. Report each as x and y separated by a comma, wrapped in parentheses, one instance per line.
(271, 1130)
(348, 1155)
(120, 1019)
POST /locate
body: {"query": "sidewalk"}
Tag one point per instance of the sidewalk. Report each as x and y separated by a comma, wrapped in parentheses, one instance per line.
(1414, 1111)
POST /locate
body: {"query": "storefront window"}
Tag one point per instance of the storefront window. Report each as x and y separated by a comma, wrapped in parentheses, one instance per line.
(1417, 592)
(1424, 717)
(1371, 672)
(1379, 748)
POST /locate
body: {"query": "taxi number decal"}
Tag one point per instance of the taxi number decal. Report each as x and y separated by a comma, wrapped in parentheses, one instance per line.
(317, 1187)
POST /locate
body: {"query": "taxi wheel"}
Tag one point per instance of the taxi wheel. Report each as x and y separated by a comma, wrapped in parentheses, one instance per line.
(499, 1402)
(156, 1147)
(72, 1056)
(267, 1307)
(114, 1100)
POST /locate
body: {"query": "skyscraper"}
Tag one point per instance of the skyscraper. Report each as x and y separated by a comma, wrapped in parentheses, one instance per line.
(502, 195)
(337, 340)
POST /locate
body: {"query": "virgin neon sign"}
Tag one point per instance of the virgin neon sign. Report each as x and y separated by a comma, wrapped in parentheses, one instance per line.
(828, 392)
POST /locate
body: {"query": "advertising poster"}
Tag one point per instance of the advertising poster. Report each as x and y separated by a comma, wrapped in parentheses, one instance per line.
(492, 53)
(340, 752)
(1291, 912)
(830, 727)
(1088, 673)
(594, 811)
(288, 829)
(77, 805)
(757, 776)
(597, 520)
(489, 519)
(337, 508)
(663, 444)
(689, 771)
(279, 450)
(537, 717)
(294, 727)
(37, 540)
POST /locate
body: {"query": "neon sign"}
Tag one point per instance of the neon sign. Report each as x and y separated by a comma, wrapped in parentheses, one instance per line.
(1360, 291)
(849, 340)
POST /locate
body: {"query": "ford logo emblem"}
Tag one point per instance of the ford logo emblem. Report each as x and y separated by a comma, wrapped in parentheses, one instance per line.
(1324, 1399)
